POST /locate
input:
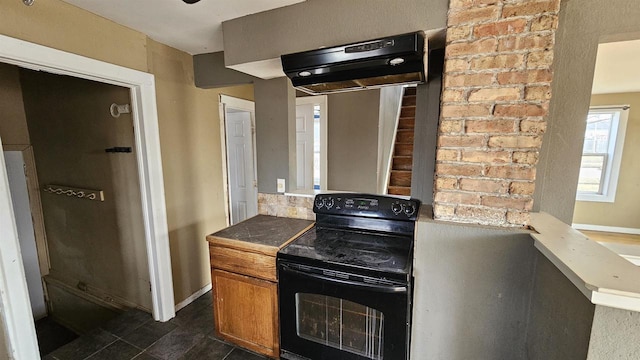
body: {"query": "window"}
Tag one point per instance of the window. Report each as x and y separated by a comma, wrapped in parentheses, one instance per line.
(602, 153)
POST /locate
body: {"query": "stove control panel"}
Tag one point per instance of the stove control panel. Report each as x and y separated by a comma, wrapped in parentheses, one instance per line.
(367, 205)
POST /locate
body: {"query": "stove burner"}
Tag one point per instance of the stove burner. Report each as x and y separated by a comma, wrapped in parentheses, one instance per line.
(374, 257)
(361, 256)
(372, 251)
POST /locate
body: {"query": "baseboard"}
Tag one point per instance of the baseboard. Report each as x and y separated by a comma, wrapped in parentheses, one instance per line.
(91, 294)
(612, 229)
(193, 297)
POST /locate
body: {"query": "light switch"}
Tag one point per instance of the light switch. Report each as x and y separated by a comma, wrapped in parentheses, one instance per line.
(280, 186)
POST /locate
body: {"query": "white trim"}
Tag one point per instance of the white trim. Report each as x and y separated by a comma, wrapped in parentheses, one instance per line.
(223, 152)
(184, 303)
(20, 329)
(237, 103)
(14, 296)
(616, 147)
(603, 228)
(323, 102)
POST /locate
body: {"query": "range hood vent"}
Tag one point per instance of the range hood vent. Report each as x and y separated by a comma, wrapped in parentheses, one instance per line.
(392, 60)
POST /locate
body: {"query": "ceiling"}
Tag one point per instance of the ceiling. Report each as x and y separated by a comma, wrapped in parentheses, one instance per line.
(195, 28)
(617, 68)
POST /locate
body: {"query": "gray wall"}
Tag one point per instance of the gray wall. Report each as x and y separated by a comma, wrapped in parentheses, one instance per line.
(275, 133)
(488, 293)
(352, 137)
(582, 25)
(99, 243)
(426, 130)
(315, 23)
(472, 290)
(615, 334)
(560, 318)
(352, 156)
(210, 72)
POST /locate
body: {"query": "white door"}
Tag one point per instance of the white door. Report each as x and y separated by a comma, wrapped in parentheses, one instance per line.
(26, 235)
(304, 146)
(243, 190)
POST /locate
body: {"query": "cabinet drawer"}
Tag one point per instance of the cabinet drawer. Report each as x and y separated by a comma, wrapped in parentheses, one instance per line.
(246, 312)
(243, 262)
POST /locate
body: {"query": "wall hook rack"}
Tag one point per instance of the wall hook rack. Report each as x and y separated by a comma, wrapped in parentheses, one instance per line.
(86, 194)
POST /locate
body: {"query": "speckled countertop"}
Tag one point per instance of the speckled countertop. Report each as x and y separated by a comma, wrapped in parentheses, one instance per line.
(263, 231)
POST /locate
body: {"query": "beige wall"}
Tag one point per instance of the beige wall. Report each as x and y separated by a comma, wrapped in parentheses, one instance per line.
(13, 122)
(99, 243)
(624, 211)
(192, 162)
(188, 117)
(59, 25)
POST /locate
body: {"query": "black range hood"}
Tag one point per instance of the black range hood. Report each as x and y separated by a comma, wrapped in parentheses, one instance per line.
(387, 61)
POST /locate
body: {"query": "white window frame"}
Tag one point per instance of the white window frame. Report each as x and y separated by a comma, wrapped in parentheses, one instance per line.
(611, 171)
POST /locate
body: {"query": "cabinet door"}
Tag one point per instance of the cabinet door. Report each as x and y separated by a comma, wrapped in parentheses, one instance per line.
(246, 311)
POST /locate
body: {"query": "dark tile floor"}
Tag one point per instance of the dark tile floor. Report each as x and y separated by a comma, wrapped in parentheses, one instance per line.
(52, 335)
(135, 335)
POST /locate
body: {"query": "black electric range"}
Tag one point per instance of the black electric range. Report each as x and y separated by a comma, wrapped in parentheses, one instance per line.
(359, 253)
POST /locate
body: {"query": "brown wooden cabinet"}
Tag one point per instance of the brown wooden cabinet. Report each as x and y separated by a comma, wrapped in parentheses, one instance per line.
(246, 311)
(245, 287)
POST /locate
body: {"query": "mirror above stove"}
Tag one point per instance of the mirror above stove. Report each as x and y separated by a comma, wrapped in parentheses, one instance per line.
(343, 140)
(338, 141)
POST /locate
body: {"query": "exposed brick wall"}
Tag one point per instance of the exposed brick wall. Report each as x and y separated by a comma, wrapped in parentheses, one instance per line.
(495, 101)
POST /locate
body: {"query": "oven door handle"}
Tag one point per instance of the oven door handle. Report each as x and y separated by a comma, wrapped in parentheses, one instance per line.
(394, 289)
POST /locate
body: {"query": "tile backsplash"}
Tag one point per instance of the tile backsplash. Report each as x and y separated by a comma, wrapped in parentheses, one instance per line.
(291, 206)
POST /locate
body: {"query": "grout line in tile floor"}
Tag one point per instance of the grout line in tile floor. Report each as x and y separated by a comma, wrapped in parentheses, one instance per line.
(135, 335)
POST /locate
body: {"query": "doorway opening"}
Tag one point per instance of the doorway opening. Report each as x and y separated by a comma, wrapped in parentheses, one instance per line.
(17, 315)
(237, 117)
(311, 143)
(607, 201)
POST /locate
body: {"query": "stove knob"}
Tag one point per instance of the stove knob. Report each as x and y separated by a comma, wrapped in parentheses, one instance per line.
(329, 203)
(409, 209)
(319, 203)
(396, 208)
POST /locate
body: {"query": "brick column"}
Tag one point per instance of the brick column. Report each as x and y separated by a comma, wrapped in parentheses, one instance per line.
(494, 105)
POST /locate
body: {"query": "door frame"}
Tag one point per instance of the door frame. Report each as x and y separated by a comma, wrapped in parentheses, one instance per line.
(224, 102)
(36, 214)
(14, 300)
(323, 101)
(35, 202)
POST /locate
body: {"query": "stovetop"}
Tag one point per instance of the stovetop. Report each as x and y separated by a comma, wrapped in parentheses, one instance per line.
(356, 251)
(362, 234)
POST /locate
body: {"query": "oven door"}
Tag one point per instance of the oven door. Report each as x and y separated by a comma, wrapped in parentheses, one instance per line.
(328, 315)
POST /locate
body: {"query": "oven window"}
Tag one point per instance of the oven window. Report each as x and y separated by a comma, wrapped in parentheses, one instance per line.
(341, 324)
